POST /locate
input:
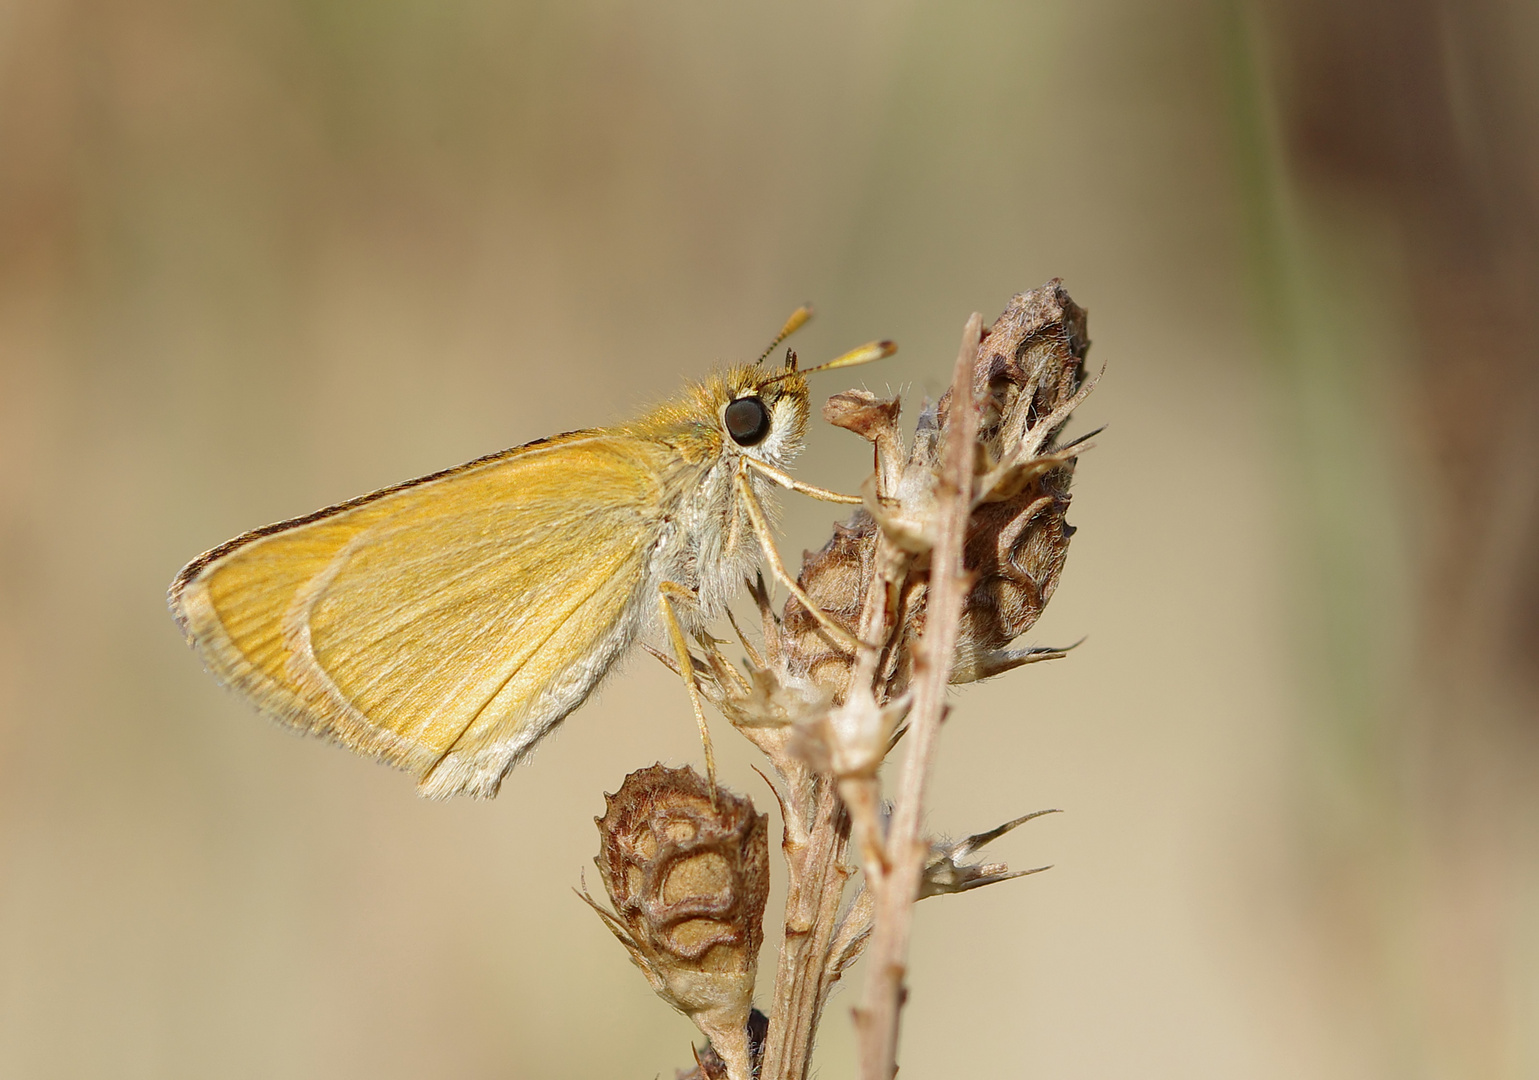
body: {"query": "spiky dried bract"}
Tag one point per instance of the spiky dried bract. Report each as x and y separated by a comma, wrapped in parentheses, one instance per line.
(1029, 376)
(947, 871)
(688, 876)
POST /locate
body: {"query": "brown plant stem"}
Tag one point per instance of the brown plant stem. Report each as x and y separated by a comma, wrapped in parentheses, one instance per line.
(897, 889)
(813, 898)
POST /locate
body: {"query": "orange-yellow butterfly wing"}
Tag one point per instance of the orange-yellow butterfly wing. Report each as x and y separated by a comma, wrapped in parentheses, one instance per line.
(446, 624)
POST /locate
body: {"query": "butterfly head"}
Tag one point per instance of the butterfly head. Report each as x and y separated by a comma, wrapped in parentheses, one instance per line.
(763, 413)
(750, 409)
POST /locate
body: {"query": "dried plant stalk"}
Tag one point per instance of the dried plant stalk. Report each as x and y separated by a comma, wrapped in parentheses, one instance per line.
(956, 551)
(893, 873)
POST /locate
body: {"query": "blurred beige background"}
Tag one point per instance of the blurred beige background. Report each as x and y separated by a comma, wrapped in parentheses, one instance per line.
(256, 257)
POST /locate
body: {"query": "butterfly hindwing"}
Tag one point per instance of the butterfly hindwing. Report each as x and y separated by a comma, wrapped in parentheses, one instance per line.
(443, 625)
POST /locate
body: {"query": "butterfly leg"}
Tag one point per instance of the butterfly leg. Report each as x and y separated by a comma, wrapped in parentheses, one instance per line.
(786, 480)
(761, 529)
(668, 592)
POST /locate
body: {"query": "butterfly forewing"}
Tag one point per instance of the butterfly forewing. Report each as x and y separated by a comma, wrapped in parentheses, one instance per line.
(446, 624)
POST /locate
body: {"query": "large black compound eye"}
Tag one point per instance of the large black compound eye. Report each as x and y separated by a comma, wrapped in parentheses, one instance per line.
(748, 421)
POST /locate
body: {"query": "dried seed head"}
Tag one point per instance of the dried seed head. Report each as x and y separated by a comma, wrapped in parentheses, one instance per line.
(1032, 363)
(1029, 377)
(688, 879)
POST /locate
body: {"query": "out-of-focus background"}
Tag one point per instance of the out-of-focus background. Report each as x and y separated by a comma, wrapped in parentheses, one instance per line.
(257, 256)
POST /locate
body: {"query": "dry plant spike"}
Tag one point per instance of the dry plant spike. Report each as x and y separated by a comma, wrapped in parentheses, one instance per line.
(955, 552)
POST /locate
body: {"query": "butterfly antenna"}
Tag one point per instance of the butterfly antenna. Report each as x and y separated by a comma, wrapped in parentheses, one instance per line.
(862, 354)
(797, 320)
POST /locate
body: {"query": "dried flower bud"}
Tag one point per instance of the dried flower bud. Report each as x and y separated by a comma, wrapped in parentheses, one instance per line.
(864, 413)
(689, 880)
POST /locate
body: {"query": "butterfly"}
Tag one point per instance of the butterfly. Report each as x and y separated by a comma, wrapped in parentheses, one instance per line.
(446, 624)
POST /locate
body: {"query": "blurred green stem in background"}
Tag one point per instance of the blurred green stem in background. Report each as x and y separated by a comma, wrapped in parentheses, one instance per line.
(1339, 526)
(1360, 282)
